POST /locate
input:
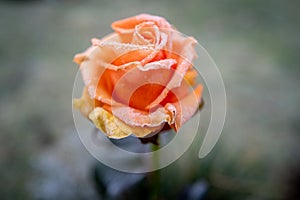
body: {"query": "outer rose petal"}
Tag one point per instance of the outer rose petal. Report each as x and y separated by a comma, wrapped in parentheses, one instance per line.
(108, 123)
(190, 76)
(186, 107)
(126, 120)
(175, 114)
(135, 117)
(105, 121)
(115, 128)
(84, 104)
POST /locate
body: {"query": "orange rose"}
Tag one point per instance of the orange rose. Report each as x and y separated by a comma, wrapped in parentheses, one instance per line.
(139, 78)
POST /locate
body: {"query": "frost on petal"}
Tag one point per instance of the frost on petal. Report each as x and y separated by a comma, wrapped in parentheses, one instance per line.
(139, 23)
(124, 53)
(157, 49)
(175, 114)
(135, 117)
(96, 69)
(90, 66)
(116, 52)
(183, 52)
(183, 48)
(115, 128)
(128, 24)
(161, 64)
(185, 108)
(146, 33)
(103, 64)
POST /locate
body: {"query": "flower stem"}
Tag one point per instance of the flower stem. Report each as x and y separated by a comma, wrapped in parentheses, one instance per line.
(155, 175)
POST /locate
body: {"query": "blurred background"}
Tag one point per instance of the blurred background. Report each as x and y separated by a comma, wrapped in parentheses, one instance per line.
(254, 43)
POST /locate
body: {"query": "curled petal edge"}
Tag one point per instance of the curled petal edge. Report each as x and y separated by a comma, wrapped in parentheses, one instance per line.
(115, 128)
(127, 24)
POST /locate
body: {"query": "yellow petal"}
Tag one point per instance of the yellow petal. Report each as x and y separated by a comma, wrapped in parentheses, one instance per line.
(115, 128)
(84, 104)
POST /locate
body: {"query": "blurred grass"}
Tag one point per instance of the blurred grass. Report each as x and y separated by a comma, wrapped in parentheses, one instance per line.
(255, 44)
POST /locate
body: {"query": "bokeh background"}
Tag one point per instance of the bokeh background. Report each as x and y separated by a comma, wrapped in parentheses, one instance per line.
(256, 46)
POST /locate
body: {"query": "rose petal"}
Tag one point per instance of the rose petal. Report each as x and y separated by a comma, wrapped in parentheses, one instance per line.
(110, 54)
(96, 70)
(128, 24)
(190, 76)
(106, 122)
(84, 104)
(140, 86)
(185, 108)
(123, 53)
(114, 128)
(161, 64)
(146, 33)
(184, 58)
(122, 84)
(175, 114)
(136, 117)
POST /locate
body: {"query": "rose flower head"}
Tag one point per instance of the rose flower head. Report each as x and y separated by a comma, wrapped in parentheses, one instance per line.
(139, 79)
